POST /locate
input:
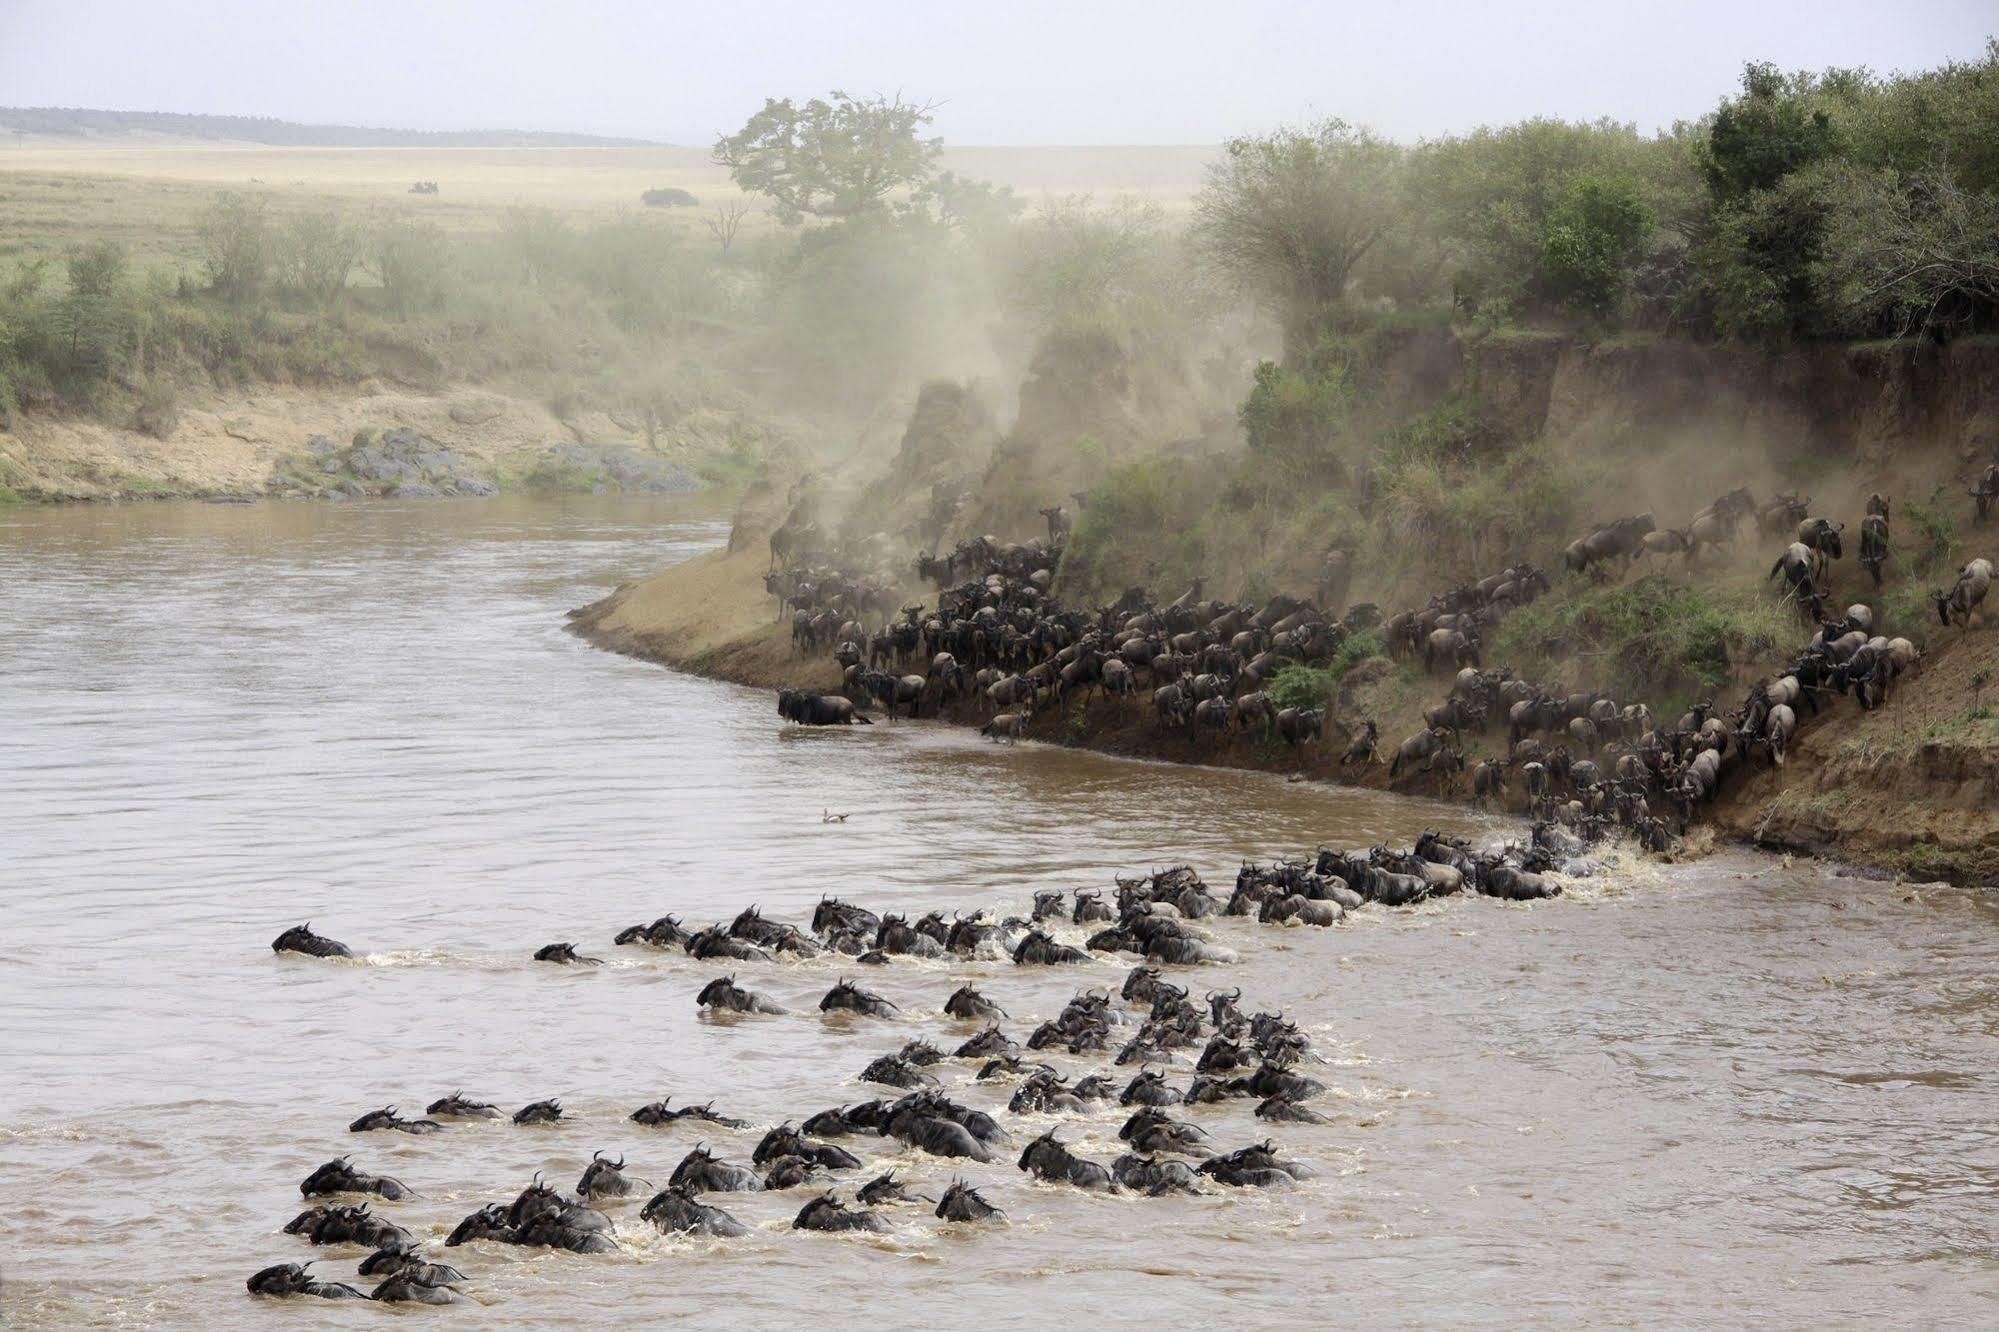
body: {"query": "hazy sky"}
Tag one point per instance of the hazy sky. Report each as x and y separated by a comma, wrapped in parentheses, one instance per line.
(1006, 71)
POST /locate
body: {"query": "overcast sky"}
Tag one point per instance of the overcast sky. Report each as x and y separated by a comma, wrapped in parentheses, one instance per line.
(1005, 71)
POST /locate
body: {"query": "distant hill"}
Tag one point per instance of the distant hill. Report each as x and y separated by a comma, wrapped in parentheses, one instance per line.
(82, 123)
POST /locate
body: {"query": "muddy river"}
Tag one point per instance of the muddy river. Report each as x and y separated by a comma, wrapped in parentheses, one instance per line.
(1726, 1092)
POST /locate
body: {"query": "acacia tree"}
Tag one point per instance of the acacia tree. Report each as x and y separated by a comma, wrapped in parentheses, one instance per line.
(1288, 215)
(832, 158)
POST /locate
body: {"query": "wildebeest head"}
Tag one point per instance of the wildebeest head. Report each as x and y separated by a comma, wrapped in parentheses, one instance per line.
(604, 1177)
(489, 1222)
(283, 1279)
(1045, 1154)
(961, 1202)
(720, 992)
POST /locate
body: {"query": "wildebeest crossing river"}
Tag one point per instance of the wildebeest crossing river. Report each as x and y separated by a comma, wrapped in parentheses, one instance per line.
(1721, 1091)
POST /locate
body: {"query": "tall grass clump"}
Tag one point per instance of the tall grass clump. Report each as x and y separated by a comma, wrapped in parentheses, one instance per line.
(1654, 640)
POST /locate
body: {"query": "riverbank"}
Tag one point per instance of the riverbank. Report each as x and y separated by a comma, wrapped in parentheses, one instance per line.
(307, 443)
(1912, 788)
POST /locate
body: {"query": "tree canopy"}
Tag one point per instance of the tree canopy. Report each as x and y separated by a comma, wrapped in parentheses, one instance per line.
(831, 158)
(1289, 214)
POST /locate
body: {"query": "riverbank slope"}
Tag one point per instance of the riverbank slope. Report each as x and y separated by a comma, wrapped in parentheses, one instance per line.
(1912, 787)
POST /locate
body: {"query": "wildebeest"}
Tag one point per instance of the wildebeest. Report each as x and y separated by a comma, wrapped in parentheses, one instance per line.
(967, 1004)
(401, 1256)
(962, 1203)
(288, 1279)
(340, 1176)
(675, 1210)
(1618, 540)
(1423, 746)
(1046, 1158)
(1255, 1167)
(852, 998)
(1779, 725)
(387, 1118)
(1985, 492)
(795, 705)
(409, 1286)
(539, 1112)
(1798, 569)
(662, 933)
(566, 954)
(827, 1212)
(723, 993)
(301, 939)
(1822, 537)
(1961, 603)
(605, 1178)
(456, 1106)
(340, 1224)
(663, 1112)
(1040, 949)
(932, 1124)
(701, 1171)
(1298, 726)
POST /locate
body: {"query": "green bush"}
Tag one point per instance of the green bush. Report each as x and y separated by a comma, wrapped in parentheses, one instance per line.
(1654, 640)
(1595, 238)
(1293, 417)
(1299, 686)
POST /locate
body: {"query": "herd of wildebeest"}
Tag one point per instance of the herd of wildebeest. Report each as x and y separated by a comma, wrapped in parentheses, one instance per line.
(1588, 767)
(998, 638)
(1152, 924)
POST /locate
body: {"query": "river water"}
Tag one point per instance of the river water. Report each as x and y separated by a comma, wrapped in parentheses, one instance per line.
(1727, 1092)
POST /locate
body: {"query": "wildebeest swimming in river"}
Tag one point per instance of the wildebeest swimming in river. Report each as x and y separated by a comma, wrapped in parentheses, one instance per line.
(852, 998)
(784, 1140)
(1254, 1167)
(662, 933)
(337, 1224)
(1046, 1158)
(387, 1118)
(701, 1171)
(565, 953)
(605, 1178)
(410, 1285)
(455, 1106)
(676, 1211)
(962, 1203)
(400, 1256)
(723, 993)
(301, 939)
(539, 1112)
(660, 1112)
(287, 1279)
(340, 1176)
(539, 1218)
(828, 1213)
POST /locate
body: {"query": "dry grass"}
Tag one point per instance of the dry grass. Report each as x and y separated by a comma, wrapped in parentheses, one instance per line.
(149, 193)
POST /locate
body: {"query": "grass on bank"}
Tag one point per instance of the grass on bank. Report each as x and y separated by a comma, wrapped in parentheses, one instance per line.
(1656, 639)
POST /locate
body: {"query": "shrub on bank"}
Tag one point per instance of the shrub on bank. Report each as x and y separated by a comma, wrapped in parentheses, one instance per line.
(1302, 686)
(1655, 640)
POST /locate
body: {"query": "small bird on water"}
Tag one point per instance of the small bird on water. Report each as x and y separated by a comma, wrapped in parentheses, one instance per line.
(828, 816)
